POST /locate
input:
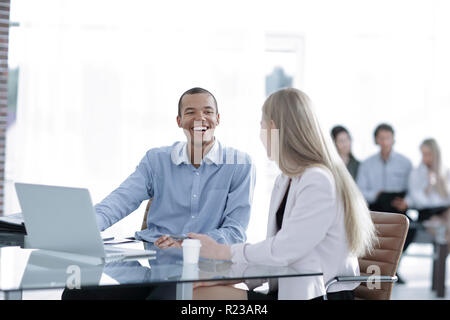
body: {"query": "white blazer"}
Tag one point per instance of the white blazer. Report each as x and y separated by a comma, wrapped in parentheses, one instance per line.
(312, 237)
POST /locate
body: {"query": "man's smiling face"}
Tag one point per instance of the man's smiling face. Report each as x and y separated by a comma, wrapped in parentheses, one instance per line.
(198, 118)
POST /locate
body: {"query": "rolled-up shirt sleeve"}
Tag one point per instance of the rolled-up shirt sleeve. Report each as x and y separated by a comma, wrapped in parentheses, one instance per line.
(237, 211)
(127, 197)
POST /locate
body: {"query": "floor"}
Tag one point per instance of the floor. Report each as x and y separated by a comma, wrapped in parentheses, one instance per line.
(417, 274)
(415, 271)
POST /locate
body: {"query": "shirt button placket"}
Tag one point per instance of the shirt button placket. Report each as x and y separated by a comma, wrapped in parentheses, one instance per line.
(195, 194)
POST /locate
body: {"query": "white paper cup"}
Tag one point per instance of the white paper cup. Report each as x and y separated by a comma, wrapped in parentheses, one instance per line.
(191, 250)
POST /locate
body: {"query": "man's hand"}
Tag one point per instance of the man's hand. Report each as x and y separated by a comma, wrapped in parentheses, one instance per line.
(165, 242)
(400, 204)
(378, 194)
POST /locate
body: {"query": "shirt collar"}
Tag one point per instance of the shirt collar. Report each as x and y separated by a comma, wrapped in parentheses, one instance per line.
(390, 157)
(180, 155)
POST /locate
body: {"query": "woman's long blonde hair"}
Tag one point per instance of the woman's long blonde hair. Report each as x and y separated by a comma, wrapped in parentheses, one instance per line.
(436, 167)
(302, 145)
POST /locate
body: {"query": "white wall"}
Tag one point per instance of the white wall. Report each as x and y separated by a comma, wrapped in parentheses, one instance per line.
(100, 80)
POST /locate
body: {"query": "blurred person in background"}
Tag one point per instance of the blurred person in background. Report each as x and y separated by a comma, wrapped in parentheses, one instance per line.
(429, 189)
(383, 178)
(343, 142)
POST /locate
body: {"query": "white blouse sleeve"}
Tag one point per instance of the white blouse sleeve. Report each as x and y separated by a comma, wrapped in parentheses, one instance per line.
(306, 225)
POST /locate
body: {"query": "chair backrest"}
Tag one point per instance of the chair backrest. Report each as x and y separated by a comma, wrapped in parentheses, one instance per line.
(392, 229)
(147, 208)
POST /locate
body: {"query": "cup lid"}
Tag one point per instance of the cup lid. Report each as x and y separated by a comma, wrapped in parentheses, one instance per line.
(191, 243)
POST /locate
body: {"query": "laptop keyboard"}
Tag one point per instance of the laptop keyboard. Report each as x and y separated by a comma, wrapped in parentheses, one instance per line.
(114, 252)
(120, 253)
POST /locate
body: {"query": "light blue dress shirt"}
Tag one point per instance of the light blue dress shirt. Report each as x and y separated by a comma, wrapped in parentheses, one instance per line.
(213, 199)
(377, 175)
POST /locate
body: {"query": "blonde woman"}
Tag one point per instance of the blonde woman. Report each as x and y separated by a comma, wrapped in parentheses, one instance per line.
(429, 189)
(318, 219)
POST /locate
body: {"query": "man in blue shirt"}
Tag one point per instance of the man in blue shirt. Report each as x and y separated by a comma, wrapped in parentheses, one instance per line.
(383, 177)
(385, 172)
(197, 186)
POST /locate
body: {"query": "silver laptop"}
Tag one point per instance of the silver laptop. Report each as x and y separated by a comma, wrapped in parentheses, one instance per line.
(63, 219)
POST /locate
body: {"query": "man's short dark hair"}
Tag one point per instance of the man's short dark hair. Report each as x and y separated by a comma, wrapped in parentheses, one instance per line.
(196, 90)
(381, 127)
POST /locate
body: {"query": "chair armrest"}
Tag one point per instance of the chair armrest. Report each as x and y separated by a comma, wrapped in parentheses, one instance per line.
(348, 279)
(368, 278)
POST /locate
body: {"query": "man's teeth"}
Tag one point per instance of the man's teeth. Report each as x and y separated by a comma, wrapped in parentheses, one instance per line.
(200, 129)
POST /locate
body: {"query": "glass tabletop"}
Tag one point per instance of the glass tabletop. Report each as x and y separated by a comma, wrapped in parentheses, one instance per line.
(26, 269)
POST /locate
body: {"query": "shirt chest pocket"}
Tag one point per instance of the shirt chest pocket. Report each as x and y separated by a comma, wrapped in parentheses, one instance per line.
(215, 201)
(398, 178)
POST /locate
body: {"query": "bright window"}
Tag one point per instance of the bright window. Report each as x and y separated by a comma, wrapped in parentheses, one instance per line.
(100, 80)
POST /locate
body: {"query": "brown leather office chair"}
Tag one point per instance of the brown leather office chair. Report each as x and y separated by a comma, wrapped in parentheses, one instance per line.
(144, 222)
(391, 230)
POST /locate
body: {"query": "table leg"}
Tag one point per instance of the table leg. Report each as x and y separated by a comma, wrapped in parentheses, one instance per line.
(13, 295)
(435, 266)
(184, 291)
(440, 278)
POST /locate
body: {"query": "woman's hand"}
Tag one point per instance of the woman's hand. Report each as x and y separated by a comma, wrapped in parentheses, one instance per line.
(165, 242)
(210, 248)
